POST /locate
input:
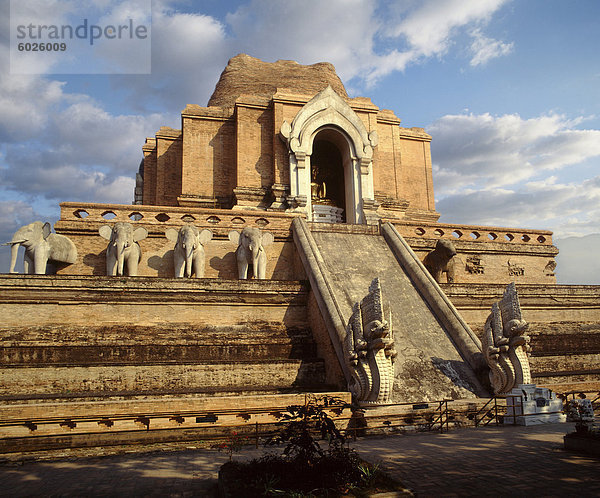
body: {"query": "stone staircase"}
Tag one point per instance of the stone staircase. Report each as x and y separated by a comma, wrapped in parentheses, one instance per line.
(438, 357)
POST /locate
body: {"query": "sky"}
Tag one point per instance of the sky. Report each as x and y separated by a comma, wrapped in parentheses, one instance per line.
(508, 89)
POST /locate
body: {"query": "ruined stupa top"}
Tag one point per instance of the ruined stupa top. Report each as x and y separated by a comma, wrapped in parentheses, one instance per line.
(245, 74)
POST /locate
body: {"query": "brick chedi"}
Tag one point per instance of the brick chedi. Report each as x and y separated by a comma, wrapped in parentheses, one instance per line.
(283, 241)
(251, 76)
(233, 153)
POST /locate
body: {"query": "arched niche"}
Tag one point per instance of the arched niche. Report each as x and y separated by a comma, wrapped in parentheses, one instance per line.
(327, 117)
(331, 165)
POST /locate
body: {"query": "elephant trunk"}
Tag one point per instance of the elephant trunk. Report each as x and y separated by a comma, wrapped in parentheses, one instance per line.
(14, 251)
(189, 251)
(255, 250)
(120, 257)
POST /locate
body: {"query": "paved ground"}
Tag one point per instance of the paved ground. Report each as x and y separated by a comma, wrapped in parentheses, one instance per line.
(504, 461)
(511, 461)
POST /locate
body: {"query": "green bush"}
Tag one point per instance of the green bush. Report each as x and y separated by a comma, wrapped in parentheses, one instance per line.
(304, 468)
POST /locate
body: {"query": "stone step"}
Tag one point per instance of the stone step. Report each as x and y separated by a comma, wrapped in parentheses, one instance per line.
(117, 344)
(565, 338)
(255, 331)
(266, 375)
(552, 379)
(548, 364)
(39, 426)
(153, 353)
(591, 388)
(59, 300)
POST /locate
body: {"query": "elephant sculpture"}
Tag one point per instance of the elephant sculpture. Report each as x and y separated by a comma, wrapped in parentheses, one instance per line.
(441, 260)
(123, 248)
(251, 250)
(41, 246)
(188, 254)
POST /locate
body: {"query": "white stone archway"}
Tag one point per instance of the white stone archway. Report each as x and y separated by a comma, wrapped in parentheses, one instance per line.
(328, 113)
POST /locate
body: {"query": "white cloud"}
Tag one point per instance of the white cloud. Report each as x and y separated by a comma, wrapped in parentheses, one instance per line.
(429, 28)
(485, 151)
(345, 32)
(14, 214)
(485, 49)
(188, 53)
(338, 31)
(35, 13)
(25, 102)
(492, 171)
(578, 261)
(32, 22)
(67, 146)
(67, 182)
(83, 130)
(567, 209)
(85, 153)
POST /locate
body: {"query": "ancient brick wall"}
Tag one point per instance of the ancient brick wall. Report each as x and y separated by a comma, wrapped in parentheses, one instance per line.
(415, 173)
(223, 149)
(563, 326)
(103, 336)
(386, 158)
(149, 187)
(168, 167)
(488, 254)
(254, 139)
(81, 222)
(209, 156)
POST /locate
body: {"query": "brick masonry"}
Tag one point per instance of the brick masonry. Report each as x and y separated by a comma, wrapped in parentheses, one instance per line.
(563, 326)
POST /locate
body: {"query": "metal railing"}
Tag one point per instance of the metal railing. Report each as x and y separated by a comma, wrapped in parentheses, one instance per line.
(220, 425)
(491, 413)
(594, 395)
(434, 420)
(491, 409)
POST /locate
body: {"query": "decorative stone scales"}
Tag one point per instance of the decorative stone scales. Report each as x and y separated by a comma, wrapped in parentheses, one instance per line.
(505, 343)
(369, 347)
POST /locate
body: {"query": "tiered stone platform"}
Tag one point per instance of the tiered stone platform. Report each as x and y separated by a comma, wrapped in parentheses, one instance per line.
(127, 350)
(143, 419)
(564, 326)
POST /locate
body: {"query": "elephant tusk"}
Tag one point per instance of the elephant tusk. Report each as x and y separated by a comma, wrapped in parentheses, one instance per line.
(13, 242)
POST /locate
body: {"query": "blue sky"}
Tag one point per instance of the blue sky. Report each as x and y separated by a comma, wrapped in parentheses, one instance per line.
(509, 90)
